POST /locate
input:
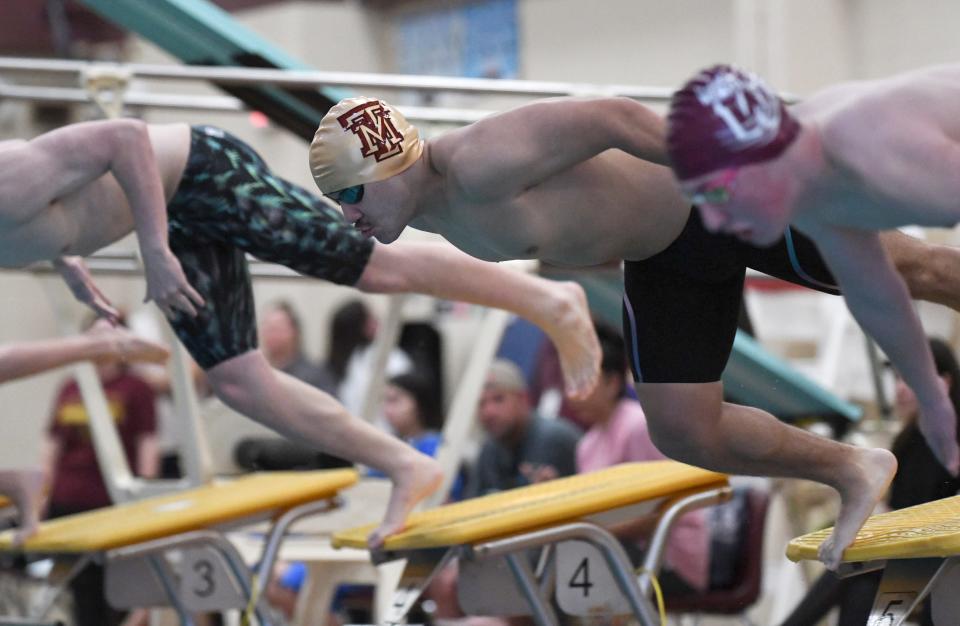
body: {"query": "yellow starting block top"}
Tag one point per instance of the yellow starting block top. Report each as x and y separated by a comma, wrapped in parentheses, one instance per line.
(193, 509)
(931, 529)
(541, 505)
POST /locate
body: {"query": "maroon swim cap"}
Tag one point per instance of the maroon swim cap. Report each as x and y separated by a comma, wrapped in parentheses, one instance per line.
(724, 117)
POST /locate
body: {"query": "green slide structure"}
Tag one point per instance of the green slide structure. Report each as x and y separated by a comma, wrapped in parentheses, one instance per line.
(199, 33)
(757, 378)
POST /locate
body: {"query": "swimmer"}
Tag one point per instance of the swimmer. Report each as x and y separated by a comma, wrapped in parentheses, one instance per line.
(840, 166)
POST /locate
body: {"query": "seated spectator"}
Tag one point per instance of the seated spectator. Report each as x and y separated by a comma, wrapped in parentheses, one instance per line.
(350, 357)
(617, 433)
(410, 413)
(521, 447)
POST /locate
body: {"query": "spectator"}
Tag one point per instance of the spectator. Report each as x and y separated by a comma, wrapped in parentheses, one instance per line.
(350, 359)
(144, 322)
(411, 413)
(521, 447)
(70, 463)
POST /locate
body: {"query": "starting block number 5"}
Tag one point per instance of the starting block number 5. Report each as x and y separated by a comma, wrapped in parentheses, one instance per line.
(585, 585)
(206, 583)
(890, 609)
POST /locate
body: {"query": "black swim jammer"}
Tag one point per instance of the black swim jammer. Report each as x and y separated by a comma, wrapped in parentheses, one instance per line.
(680, 306)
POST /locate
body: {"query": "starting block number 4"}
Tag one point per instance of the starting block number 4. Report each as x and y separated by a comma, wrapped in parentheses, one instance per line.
(206, 582)
(585, 585)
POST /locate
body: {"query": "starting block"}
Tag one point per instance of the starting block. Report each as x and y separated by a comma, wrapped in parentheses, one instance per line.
(918, 549)
(579, 561)
(169, 550)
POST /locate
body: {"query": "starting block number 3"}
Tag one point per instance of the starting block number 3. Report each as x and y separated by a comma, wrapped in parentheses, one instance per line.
(585, 585)
(206, 583)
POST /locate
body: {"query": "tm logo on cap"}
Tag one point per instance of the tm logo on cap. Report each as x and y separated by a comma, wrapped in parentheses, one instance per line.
(371, 122)
(748, 109)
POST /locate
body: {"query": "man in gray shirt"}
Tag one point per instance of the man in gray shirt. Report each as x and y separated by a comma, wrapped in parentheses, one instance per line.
(522, 447)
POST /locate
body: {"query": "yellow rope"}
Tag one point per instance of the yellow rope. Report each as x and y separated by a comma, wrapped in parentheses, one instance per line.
(658, 594)
(249, 612)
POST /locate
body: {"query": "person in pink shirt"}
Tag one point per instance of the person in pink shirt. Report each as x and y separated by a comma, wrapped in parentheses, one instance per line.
(617, 433)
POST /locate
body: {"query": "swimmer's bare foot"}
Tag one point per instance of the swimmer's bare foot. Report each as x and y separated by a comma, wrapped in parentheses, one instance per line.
(570, 327)
(871, 473)
(24, 487)
(414, 480)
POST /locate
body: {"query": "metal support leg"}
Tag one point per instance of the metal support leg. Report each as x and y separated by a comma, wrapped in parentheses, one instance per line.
(55, 594)
(658, 542)
(163, 574)
(543, 613)
(409, 592)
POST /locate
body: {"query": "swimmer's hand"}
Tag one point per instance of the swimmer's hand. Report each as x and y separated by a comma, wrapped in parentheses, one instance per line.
(119, 344)
(75, 273)
(168, 286)
(938, 423)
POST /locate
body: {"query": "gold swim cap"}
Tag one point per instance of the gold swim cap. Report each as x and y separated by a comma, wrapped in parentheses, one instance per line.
(362, 140)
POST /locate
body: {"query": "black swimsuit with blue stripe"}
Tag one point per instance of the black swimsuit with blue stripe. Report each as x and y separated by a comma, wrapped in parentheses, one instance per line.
(680, 306)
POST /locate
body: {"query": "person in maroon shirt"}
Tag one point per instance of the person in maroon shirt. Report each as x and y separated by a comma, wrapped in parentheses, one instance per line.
(70, 463)
(77, 484)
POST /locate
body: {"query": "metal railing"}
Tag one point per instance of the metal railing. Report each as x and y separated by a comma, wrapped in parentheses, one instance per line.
(306, 79)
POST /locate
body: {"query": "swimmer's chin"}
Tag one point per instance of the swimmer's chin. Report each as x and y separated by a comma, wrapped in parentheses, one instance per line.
(383, 238)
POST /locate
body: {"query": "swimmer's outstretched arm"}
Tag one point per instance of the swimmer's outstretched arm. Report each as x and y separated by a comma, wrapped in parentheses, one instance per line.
(443, 271)
(879, 300)
(35, 173)
(101, 341)
(512, 151)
